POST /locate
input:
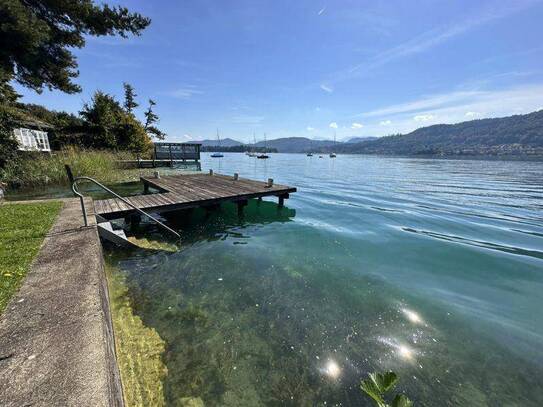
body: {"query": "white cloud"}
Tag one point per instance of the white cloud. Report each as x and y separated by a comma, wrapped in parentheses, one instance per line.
(180, 138)
(356, 126)
(333, 125)
(186, 92)
(327, 88)
(486, 103)
(321, 11)
(423, 117)
(424, 103)
(309, 128)
(385, 123)
(456, 106)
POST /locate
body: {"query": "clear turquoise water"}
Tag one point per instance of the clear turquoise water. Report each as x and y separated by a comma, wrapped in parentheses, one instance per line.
(430, 268)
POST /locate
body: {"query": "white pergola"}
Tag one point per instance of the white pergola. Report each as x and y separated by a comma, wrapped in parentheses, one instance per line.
(32, 140)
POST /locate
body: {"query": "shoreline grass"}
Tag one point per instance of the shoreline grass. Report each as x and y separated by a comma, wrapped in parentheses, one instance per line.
(22, 230)
(37, 169)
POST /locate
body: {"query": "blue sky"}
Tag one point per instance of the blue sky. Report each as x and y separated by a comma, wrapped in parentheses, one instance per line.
(309, 68)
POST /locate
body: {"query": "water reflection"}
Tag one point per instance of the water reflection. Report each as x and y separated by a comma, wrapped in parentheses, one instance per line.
(412, 316)
(225, 221)
(403, 350)
(332, 369)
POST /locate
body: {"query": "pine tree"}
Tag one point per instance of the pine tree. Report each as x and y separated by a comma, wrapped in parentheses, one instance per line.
(129, 98)
(151, 118)
(37, 38)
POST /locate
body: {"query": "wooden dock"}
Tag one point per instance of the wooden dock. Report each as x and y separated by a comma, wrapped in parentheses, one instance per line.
(192, 191)
(127, 164)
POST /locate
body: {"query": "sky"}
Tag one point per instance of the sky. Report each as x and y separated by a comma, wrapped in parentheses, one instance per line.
(312, 68)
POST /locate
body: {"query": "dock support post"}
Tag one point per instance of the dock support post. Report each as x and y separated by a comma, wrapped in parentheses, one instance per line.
(282, 199)
(241, 204)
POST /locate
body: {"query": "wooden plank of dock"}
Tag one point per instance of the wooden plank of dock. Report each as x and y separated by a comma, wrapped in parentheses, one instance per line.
(190, 191)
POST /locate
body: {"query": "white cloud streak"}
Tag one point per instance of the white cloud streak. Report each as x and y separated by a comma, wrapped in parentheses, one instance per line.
(185, 92)
(431, 38)
(356, 126)
(426, 102)
(327, 88)
(333, 125)
(452, 108)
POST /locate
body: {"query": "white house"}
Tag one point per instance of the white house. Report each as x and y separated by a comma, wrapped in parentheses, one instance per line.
(32, 140)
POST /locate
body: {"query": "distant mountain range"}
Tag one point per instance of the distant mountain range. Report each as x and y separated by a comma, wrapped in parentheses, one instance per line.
(227, 142)
(296, 144)
(514, 135)
(282, 145)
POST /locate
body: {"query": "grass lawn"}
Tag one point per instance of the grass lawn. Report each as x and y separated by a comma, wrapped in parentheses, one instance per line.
(22, 230)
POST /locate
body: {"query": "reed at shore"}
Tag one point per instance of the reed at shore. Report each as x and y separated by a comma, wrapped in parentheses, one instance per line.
(37, 169)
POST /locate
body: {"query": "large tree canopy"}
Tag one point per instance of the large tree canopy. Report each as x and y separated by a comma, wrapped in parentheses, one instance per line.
(36, 37)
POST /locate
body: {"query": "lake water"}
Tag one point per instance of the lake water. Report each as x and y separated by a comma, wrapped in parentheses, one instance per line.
(430, 268)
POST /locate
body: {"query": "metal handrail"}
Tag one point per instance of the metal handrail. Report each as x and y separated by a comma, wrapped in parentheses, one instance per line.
(74, 189)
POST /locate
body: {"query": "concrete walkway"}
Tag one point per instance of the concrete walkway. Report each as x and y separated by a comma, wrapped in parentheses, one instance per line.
(56, 339)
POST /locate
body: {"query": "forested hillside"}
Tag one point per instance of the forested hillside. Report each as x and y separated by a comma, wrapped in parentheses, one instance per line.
(513, 135)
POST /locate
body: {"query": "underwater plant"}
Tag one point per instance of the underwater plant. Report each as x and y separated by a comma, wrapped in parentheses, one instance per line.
(380, 383)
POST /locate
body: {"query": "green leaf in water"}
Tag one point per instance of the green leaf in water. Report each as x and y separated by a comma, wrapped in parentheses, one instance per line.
(378, 384)
(401, 400)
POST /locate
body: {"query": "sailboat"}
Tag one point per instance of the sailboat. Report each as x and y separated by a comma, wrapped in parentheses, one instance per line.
(263, 155)
(310, 154)
(332, 154)
(218, 154)
(251, 153)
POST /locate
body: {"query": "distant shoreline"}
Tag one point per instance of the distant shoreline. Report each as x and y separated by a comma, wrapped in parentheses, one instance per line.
(535, 158)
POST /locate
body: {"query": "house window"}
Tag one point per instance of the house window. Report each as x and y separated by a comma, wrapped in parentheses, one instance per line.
(32, 140)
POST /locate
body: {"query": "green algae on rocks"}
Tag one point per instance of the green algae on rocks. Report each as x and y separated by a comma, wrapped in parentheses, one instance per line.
(139, 349)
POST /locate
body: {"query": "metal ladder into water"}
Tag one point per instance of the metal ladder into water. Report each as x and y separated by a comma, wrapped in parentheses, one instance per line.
(105, 228)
